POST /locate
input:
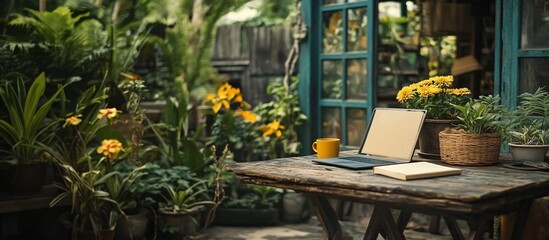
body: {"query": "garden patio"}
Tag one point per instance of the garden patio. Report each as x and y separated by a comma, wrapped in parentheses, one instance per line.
(194, 119)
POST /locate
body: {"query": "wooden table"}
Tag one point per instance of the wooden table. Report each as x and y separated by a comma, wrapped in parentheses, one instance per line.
(476, 196)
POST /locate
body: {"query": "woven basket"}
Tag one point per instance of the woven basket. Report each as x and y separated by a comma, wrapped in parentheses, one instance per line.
(460, 148)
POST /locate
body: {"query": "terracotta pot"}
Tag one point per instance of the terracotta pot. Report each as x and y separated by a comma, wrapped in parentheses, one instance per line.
(429, 144)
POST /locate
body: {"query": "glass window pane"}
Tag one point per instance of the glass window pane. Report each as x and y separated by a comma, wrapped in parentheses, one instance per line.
(533, 74)
(331, 122)
(332, 32)
(535, 24)
(328, 2)
(356, 126)
(332, 79)
(356, 29)
(356, 79)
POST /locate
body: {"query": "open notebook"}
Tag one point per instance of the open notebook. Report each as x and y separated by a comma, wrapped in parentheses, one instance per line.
(390, 139)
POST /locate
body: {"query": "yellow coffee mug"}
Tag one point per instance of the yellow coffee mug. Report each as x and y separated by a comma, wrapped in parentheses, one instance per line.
(326, 147)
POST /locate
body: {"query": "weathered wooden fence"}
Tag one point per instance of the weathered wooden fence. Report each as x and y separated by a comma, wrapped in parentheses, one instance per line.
(251, 57)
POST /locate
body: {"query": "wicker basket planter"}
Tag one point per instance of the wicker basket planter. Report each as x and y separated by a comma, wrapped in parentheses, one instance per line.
(460, 148)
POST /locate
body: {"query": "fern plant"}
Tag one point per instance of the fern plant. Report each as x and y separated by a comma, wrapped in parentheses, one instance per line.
(64, 44)
(528, 123)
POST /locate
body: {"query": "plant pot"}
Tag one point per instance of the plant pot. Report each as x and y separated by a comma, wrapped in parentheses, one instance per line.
(153, 109)
(534, 153)
(186, 223)
(295, 207)
(27, 178)
(133, 226)
(247, 217)
(460, 148)
(104, 234)
(5, 173)
(429, 144)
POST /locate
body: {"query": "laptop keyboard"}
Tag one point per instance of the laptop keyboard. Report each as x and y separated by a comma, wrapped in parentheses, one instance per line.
(366, 160)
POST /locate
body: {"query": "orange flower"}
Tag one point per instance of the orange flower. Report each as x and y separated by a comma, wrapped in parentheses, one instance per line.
(109, 112)
(248, 116)
(273, 127)
(225, 94)
(73, 120)
(110, 148)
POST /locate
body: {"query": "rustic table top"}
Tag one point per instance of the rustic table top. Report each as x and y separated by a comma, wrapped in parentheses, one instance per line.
(494, 189)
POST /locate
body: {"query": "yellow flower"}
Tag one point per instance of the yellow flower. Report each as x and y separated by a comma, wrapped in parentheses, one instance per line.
(423, 91)
(210, 97)
(423, 83)
(217, 104)
(248, 116)
(443, 80)
(433, 90)
(73, 120)
(225, 94)
(459, 91)
(273, 127)
(110, 148)
(434, 95)
(109, 112)
(405, 93)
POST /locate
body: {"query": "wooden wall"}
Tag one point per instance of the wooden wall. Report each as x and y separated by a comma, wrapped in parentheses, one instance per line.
(251, 57)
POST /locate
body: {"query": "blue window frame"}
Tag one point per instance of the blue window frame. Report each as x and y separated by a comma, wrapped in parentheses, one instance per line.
(524, 48)
(337, 69)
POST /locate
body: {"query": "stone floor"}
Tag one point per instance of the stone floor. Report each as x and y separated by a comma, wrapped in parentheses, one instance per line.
(303, 231)
(354, 228)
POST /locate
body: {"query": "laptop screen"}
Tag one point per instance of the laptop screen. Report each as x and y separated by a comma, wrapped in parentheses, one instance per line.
(393, 133)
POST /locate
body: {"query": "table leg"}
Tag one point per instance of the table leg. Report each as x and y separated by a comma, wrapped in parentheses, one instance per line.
(382, 217)
(477, 227)
(374, 226)
(520, 220)
(403, 219)
(327, 217)
(454, 228)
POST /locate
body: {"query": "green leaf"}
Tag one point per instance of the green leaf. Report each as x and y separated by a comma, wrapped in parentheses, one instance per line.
(33, 97)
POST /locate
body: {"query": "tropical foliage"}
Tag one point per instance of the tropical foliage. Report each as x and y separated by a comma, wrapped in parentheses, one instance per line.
(97, 47)
(529, 122)
(28, 123)
(480, 116)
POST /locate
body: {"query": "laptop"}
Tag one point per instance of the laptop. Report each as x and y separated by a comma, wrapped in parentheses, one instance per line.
(391, 139)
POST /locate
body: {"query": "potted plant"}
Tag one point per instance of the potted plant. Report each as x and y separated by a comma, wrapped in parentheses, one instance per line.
(28, 125)
(181, 209)
(259, 203)
(476, 141)
(527, 127)
(437, 97)
(94, 212)
(85, 158)
(134, 220)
